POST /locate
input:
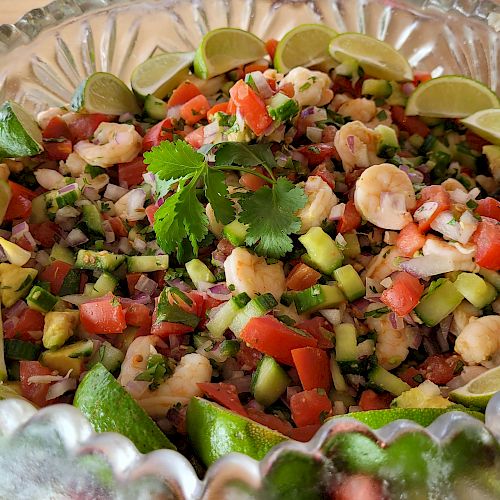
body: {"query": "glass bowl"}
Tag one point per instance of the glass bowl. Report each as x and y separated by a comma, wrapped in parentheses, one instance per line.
(53, 453)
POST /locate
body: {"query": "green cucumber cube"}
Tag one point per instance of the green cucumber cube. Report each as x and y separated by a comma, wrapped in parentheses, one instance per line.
(350, 282)
(269, 381)
(475, 289)
(322, 250)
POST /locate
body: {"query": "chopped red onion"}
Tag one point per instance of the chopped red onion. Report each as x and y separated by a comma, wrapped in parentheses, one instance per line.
(297, 156)
(124, 245)
(263, 88)
(150, 178)
(16, 310)
(138, 298)
(68, 211)
(68, 188)
(318, 114)
(350, 143)
(337, 212)
(77, 299)
(339, 408)
(90, 193)
(396, 321)
(428, 265)
(126, 117)
(139, 244)
(135, 204)
(146, 285)
(306, 112)
(459, 196)
(174, 112)
(20, 229)
(429, 347)
(76, 237)
(416, 340)
(425, 211)
(361, 305)
(178, 283)
(48, 178)
(314, 134)
(114, 192)
(43, 258)
(242, 384)
(408, 88)
(59, 388)
(108, 231)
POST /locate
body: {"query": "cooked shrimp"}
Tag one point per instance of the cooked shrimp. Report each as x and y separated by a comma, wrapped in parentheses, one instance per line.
(179, 388)
(113, 143)
(383, 264)
(462, 315)
(384, 195)
(360, 109)
(312, 88)
(459, 256)
(320, 201)
(452, 185)
(479, 341)
(356, 145)
(392, 345)
(75, 164)
(250, 273)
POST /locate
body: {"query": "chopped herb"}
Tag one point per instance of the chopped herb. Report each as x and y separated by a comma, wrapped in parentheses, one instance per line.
(472, 204)
(157, 370)
(376, 313)
(419, 378)
(382, 115)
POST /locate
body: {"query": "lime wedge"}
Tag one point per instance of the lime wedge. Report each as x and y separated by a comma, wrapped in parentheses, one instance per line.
(19, 132)
(306, 45)
(486, 124)
(224, 49)
(161, 74)
(215, 432)
(5, 196)
(110, 408)
(451, 96)
(479, 390)
(104, 93)
(377, 58)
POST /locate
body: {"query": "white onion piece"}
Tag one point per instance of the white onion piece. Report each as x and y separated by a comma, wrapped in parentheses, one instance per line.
(318, 115)
(333, 316)
(139, 244)
(59, 388)
(210, 132)
(114, 192)
(468, 225)
(68, 211)
(124, 245)
(459, 196)
(263, 88)
(219, 296)
(44, 379)
(428, 265)
(314, 134)
(446, 224)
(386, 282)
(49, 179)
(43, 258)
(76, 237)
(90, 193)
(425, 211)
(373, 288)
(174, 112)
(108, 232)
(337, 212)
(77, 299)
(341, 241)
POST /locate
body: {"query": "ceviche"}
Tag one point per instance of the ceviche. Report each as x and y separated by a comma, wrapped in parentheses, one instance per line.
(252, 235)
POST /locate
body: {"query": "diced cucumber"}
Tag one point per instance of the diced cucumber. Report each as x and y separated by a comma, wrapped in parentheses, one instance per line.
(492, 277)
(475, 289)
(41, 300)
(322, 250)
(258, 306)
(106, 283)
(147, 263)
(352, 248)
(39, 210)
(68, 358)
(102, 261)
(337, 377)
(199, 272)
(465, 156)
(387, 381)
(397, 97)
(21, 350)
(61, 253)
(108, 355)
(376, 88)
(416, 141)
(92, 219)
(350, 282)
(155, 108)
(225, 315)
(67, 195)
(318, 297)
(282, 107)
(71, 283)
(346, 352)
(427, 144)
(437, 304)
(88, 289)
(388, 143)
(269, 381)
(349, 67)
(235, 232)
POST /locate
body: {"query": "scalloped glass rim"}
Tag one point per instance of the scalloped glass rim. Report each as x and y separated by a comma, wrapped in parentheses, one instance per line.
(45, 54)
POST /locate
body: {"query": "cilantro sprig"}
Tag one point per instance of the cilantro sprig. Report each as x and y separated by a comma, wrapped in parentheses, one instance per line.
(269, 212)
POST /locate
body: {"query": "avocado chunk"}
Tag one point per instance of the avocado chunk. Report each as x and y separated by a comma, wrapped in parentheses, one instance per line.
(15, 282)
(59, 327)
(68, 358)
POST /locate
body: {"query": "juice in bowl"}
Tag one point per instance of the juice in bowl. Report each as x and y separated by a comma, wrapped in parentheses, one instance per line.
(275, 247)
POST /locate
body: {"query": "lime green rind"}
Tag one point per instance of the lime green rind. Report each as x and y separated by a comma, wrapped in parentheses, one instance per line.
(110, 408)
(479, 390)
(486, 124)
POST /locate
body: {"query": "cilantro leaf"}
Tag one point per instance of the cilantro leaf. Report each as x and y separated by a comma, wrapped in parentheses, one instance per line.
(218, 196)
(270, 214)
(173, 313)
(245, 155)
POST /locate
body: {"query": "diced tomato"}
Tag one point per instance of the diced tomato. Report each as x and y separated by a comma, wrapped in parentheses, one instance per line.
(195, 137)
(183, 93)
(318, 327)
(313, 366)
(410, 124)
(487, 240)
(138, 315)
(118, 226)
(439, 368)
(371, 400)
(19, 208)
(318, 153)
(131, 172)
(248, 358)
(83, 281)
(271, 45)
(404, 293)
(436, 194)
(166, 328)
(301, 277)
(489, 207)
(474, 141)
(350, 219)
(36, 393)
(220, 107)
(253, 182)
(303, 434)
(410, 240)
(251, 106)
(103, 316)
(24, 243)
(421, 77)
(288, 89)
(195, 109)
(56, 128)
(271, 421)
(310, 407)
(326, 175)
(358, 487)
(58, 149)
(162, 131)
(231, 107)
(29, 321)
(150, 212)
(197, 303)
(45, 233)
(411, 376)
(224, 394)
(83, 126)
(256, 67)
(271, 337)
(132, 279)
(18, 190)
(55, 274)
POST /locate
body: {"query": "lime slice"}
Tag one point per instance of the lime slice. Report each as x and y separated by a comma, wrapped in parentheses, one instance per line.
(306, 45)
(19, 132)
(110, 408)
(5, 196)
(224, 49)
(451, 96)
(423, 416)
(215, 432)
(161, 74)
(486, 124)
(104, 93)
(377, 58)
(479, 390)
